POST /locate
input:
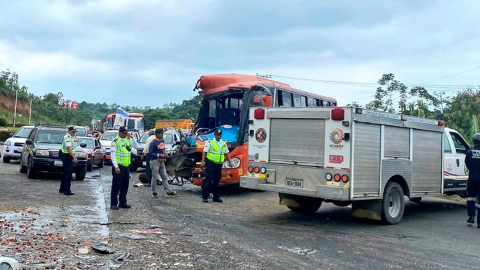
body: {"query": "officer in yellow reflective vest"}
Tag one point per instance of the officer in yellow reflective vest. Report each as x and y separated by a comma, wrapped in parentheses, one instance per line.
(121, 159)
(68, 158)
(215, 151)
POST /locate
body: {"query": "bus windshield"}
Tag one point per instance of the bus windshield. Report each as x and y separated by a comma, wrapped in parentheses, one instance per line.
(227, 111)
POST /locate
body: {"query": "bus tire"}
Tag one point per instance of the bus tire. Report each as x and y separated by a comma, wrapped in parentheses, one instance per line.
(307, 206)
(393, 203)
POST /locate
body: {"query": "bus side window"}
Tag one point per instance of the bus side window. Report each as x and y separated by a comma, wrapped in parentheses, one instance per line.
(279, 100)
(304, 101)
(311, 102)
(297, 100)
(327, 103)
(286, 99)
(319, 102)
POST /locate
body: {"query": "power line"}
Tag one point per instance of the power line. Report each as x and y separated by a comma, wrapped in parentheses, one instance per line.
(452, 75)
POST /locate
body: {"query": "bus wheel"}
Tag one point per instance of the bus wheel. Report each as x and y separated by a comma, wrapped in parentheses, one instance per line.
(307, 206)
(393, 203)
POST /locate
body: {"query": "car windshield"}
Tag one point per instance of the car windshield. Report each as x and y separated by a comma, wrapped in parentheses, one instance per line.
(168, 138)
(109, 136)
(88, 142)
(143, 138)
(51, 136)
(23, 132)
(81, 131)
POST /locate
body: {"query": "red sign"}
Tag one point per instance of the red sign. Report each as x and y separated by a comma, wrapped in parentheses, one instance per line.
(74, 105)
(335, 159)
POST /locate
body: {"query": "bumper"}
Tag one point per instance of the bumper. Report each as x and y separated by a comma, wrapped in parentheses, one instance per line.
(229, 176)
(54, 165)
(324, 192)
(138, 162)
(13, 152)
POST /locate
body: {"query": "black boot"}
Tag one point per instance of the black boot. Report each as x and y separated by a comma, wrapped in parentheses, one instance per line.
(471, 219)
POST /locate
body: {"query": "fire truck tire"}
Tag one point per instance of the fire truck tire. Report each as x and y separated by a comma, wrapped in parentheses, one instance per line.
(393, 203)
(307, 206)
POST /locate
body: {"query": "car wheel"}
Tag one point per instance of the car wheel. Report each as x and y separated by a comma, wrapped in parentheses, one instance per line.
(6, 159)
(80, 174)
(90, 165)
(23, 169)
(31, 174)
(393, 203)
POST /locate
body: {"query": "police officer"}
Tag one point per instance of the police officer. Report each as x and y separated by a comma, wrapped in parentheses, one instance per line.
(472, 161)
(121, 159)
(215, 151)
(68, 158)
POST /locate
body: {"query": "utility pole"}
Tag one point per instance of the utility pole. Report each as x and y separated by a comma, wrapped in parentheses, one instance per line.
(15, 86)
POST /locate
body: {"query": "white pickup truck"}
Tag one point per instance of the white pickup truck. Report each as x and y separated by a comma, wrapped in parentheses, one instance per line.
(366, 158)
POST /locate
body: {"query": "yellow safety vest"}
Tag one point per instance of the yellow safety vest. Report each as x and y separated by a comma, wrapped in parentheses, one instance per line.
(215, 154)
(64, 145)
(123, 156)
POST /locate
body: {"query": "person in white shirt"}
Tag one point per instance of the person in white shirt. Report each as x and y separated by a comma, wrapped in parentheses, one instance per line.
(148, 170)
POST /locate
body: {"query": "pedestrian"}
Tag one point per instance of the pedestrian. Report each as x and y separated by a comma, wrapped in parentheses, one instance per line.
(145, 156)
(121, 159)
(472, 161)
(68, 158)
(158, 156)
(215, 151)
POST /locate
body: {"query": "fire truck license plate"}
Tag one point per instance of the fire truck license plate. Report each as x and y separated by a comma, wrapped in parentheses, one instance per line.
(294, 183)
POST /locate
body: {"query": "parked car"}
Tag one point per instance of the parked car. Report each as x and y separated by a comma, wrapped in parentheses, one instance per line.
(83, 131)
(171, 138)
(106, 141)
(13, 145)
(137, 151)
(41, 152)
(95, 152)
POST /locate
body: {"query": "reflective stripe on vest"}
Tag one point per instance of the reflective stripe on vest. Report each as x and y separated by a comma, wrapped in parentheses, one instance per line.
(215, 154)
(123, 156)
(64, 145)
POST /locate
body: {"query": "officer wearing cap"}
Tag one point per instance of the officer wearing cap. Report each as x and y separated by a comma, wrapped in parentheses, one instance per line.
(121, 159)
(215, 151)
(68, 158)
(472, 161)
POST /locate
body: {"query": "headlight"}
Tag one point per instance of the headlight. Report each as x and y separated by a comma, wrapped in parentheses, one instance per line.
(80, 154)
(42, 153)
(134, 151)
(8, 143)
(236, 163)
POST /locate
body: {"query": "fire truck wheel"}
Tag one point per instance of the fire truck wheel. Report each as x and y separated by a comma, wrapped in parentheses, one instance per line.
(307, 206)
(393, 203)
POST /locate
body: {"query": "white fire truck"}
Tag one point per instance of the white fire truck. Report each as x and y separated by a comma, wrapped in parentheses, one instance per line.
(366, 158)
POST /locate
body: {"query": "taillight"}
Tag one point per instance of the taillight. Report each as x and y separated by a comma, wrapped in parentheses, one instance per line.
(259, 113)
(257, 169)
(338, 114)
(344, 178)
(250, 169)
(337, 177)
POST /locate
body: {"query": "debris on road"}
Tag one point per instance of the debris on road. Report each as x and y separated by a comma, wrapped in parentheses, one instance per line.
(298, 250)
(153, 231)
(133, 236)
(103, 248)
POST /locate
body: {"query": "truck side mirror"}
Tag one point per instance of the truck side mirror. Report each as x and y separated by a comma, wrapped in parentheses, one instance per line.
(10, 134)
(28, 142)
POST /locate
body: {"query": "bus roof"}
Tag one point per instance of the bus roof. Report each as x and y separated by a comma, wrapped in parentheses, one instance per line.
(217, 83)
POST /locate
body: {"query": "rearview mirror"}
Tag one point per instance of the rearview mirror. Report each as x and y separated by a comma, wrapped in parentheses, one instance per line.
(10, 135)
(28, 142)
(83, 145)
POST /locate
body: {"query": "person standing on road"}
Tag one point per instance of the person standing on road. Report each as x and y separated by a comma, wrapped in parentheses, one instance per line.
(121, 159)
(145, 156)
(472, 161)
(157, 155)
(68, 158)
(215, 151)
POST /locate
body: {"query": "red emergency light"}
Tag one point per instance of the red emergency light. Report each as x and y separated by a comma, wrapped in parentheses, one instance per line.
(259, 113)
(338, 114)
(441, 123)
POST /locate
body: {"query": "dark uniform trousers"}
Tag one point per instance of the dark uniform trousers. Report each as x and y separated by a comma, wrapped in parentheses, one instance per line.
(65, 184)
(213, 174)
(473, 187)
(120, 184)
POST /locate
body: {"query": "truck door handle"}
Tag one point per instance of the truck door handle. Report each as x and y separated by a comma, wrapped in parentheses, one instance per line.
(458, 162)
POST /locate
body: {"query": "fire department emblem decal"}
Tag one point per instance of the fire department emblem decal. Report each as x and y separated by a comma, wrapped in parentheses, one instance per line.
(336, 136)
(261, 135)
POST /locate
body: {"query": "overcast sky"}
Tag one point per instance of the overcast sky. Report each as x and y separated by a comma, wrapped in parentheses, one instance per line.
(148, 53)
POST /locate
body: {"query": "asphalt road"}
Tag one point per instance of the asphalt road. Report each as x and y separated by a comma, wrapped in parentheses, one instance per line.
(248, 231)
